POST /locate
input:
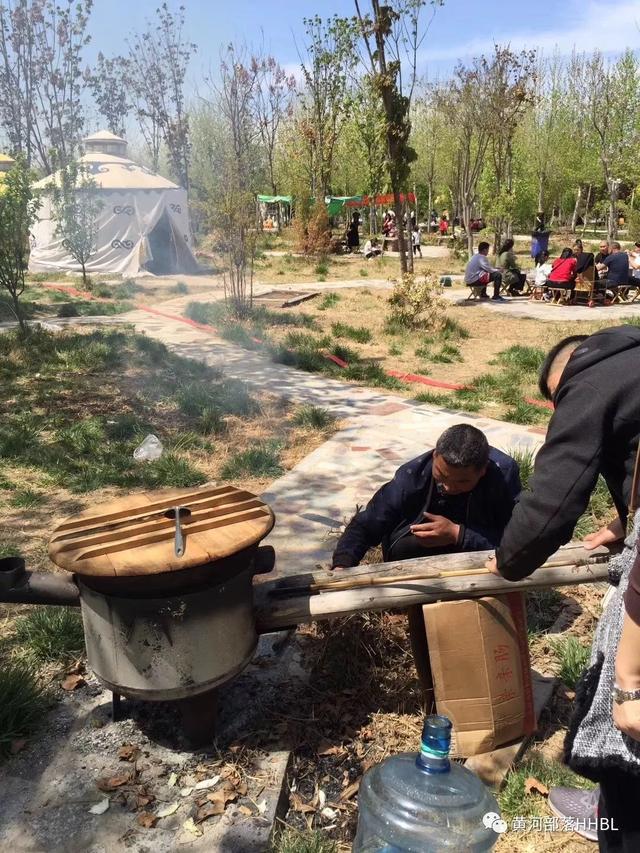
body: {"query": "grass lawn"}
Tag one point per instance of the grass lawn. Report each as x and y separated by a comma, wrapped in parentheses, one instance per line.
(496, 356)
(74, 408)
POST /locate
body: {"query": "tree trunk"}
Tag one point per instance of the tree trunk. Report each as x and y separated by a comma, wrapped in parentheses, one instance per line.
(586, 209)
(17, 308)
(466, 210)
(84, 275)
(430, 203)
(397, 207)
(613, 185)
(576, 210)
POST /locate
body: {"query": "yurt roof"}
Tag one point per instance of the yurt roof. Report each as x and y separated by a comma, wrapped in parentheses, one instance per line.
(4, 158)
(115, 173)
(103, 136)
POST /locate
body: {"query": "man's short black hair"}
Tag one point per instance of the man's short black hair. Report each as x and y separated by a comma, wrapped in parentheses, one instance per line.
(483, 246)
(552, 355)
(463, 446)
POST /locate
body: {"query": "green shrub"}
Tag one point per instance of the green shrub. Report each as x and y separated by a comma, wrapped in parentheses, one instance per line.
(329, 300)
(418, 303)
(68, 309)
(433, 399)
(322, 267)
(313, 417)
(27, 498)
(50, 634)
(447, 354)
(181, 287)
(260, 461)
(363, 272)
(23, 704)
(572, 657)
(526, 413)
(354, 333)
(522, 359)
(453, 330)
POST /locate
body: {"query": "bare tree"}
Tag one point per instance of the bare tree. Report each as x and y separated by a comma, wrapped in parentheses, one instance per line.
(233, 205)
(158, 61)
(464, 102)
(509, 78)
(325, 68)
(109, 85)
(272, 103)
(613, 95)
(75, 208)
(392, 36)
(41, 79)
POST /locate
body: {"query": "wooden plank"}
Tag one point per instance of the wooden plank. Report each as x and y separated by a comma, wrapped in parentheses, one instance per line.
(273, 613)
(493, 766)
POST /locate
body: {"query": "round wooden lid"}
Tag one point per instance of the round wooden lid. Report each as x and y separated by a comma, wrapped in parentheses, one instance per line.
(133, 536)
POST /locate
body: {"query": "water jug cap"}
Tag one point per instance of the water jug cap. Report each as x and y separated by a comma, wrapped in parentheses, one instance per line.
(436, 744)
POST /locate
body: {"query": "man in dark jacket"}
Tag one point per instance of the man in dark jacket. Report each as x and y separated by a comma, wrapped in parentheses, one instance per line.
(458, 497)
(593, 383)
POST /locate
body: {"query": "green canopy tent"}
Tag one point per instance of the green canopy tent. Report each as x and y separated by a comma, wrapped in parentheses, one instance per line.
(274, 210)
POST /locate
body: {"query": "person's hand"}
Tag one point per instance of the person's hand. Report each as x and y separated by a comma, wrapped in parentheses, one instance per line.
(613, 532)
(492, 566)
(626, 718)
(436, 531)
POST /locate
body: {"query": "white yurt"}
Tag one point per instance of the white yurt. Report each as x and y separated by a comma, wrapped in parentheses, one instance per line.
(143, 225)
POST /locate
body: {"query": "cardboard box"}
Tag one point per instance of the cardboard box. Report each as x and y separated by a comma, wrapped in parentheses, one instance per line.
(479, 658)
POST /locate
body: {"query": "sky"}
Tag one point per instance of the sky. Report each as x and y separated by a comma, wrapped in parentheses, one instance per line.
(459, 29)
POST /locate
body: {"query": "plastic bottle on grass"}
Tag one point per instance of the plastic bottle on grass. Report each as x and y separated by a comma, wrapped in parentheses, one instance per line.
(425, 804)
(150, 449)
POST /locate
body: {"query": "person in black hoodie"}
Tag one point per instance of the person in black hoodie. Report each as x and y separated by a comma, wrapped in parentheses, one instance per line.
(593, 384)
(595, 430)
(458, 497)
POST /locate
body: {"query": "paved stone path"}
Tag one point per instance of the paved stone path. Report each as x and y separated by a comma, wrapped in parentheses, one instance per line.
(538, 310)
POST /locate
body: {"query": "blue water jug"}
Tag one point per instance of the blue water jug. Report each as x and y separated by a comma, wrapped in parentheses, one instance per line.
(425, 804)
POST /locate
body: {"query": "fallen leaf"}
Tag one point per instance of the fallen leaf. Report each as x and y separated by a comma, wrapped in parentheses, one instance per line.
(76, 669)
(184, 792)
(321, 798)
(325, 748)
(245, 810)
(17, 745)
(297, 804)
(147, 819)
(328, 813)
(72, 682)
(168, 810)
(143, 800)
(350, 791)
(110, 783)
(226, 794)
(191, 827)
(172, 780)
(262, 807)
(101, 807)
(532, 784)
(128, 752)
(209, 810)
(242, 789)
(206, 783)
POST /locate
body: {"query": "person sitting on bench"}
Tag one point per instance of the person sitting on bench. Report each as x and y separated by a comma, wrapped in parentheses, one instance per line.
(584, 261)
(616, 267)
(479, 273)
(563, 272)
(458, 497)
(513, 279)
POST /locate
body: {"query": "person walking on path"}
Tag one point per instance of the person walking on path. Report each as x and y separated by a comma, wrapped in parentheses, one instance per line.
(594, 431)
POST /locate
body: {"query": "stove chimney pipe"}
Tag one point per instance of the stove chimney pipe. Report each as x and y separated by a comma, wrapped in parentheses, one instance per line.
(17, 586)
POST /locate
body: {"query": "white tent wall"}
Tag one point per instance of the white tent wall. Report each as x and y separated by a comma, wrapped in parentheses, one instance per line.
(125, 222)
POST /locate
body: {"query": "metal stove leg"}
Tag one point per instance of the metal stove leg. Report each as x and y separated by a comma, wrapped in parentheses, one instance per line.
(116, 707)
(199, 718)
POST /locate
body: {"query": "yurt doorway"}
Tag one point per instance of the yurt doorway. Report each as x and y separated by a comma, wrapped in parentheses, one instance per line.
(162, 248)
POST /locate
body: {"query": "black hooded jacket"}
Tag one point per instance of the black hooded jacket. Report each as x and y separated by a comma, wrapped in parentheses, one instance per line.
(594, 430)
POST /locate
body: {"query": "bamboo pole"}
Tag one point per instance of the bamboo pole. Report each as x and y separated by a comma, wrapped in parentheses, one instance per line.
(572, 564)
